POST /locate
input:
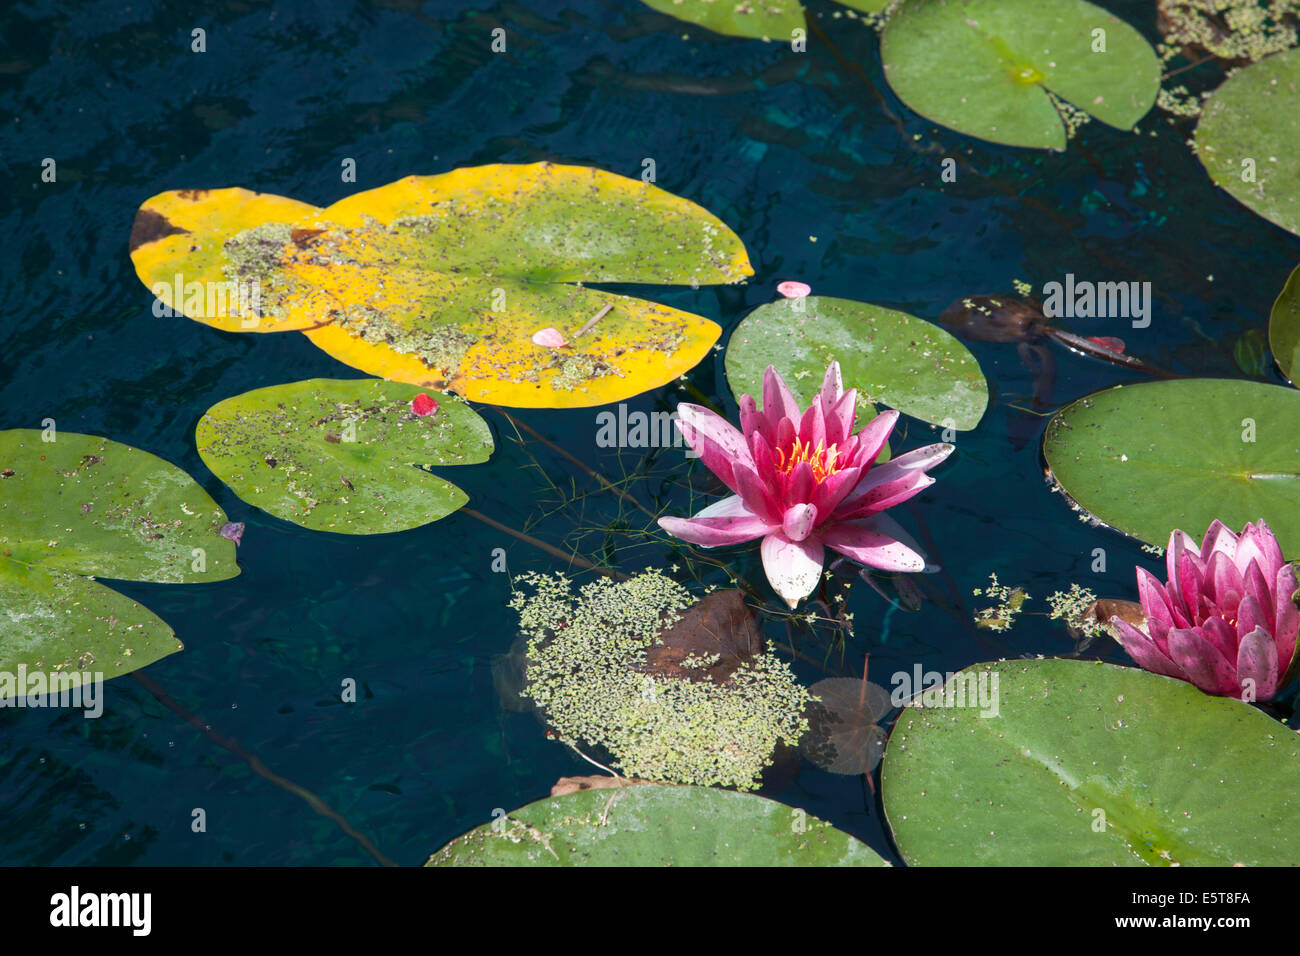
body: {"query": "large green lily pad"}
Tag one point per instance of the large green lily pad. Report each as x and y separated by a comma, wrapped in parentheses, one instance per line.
(985, 67)
(81, 507)
(342, 455)
(890, 357)
(1248, 138)
(1090, 764)
(1149, 458)
(655, 825)
(1284, 328)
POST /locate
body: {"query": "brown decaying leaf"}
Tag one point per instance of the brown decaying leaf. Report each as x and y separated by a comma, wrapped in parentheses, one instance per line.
(843, 736)
(720, 624)
(595, 782)
(1103, 609)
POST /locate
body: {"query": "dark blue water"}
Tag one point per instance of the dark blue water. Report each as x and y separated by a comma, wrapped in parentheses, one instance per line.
(782, 147)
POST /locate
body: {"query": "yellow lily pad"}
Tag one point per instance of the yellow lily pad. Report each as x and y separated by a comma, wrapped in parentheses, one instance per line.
(443, 281)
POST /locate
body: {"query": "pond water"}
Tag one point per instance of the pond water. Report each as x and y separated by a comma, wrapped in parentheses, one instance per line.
(825, 176)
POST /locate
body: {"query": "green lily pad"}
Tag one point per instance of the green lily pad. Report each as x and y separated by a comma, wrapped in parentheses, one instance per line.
(1284, 328)
(1248, 138)
(758, 20)
(985, 67)
(755, 20)
(889, 357)
(342, 455)
(81, 507)
(1090, 764)
(654, 825)
(1149, 458)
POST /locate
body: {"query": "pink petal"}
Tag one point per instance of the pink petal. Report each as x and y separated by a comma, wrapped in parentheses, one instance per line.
(1143, 651)
(714, 532)
(549, 338)
(832, 387)
(1288, 617)
(794, 290)
(423, 405)
(1152, 595)
(1202, 662)
(827, 495)
(1250, 615)
(793, 567)
(1222, 579)
(812, 427)
(1180, 544)
(1257, 661)
(839, 416)
(778, 406)
(758, 495)
(920, 460)
(866, 544)
(875, 433)
(799, 521)
(1218, 539)
(720, 447)
(883, 497)
(1257, 542)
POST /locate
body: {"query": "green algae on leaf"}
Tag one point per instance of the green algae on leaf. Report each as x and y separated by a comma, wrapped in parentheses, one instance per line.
(1248, 138)
(990, 68)
(890, 357)
(82, 507)
(342, 455)
(1148, 458)
(656, 825)
(1090, 764)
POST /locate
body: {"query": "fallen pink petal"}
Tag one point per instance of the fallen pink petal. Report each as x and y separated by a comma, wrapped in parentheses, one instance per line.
(233, 531)
(549, 338)
(804, 482)
(423, 405)
(794, 290)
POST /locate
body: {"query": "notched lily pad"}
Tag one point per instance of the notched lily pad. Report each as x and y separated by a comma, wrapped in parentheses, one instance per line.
(443, 281)
(342, 455)
(1148, 458)
(986, 67)
(1090, 764)
(1248, 138)
(890, 357)
(83, 507)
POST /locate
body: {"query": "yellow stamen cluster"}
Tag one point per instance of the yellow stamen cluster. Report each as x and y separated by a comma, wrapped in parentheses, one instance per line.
(822, 458)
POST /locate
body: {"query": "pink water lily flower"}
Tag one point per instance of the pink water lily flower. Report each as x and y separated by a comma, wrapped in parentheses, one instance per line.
(1225, 621)
(804, 482)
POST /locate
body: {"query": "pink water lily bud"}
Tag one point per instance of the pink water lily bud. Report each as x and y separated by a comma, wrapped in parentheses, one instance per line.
(803, 481)
(1225, 620)
(233, 531)
(423, 405)
(549, 338)
(794, 290)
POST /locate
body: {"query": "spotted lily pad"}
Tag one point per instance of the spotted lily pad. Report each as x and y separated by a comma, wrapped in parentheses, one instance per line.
(1284, 328)
(81, 507)
(889, 357)
(754, 19)
(986, 67)
(1248, 138)
(1156, 456)
(445, 281)
(1090, 764)
(655, 825)
(342, 455)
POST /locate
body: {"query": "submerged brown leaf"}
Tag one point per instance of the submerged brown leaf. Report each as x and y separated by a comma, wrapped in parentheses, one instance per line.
(595, 782)
(843, 735)
(1104, 609)
(721, 625)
